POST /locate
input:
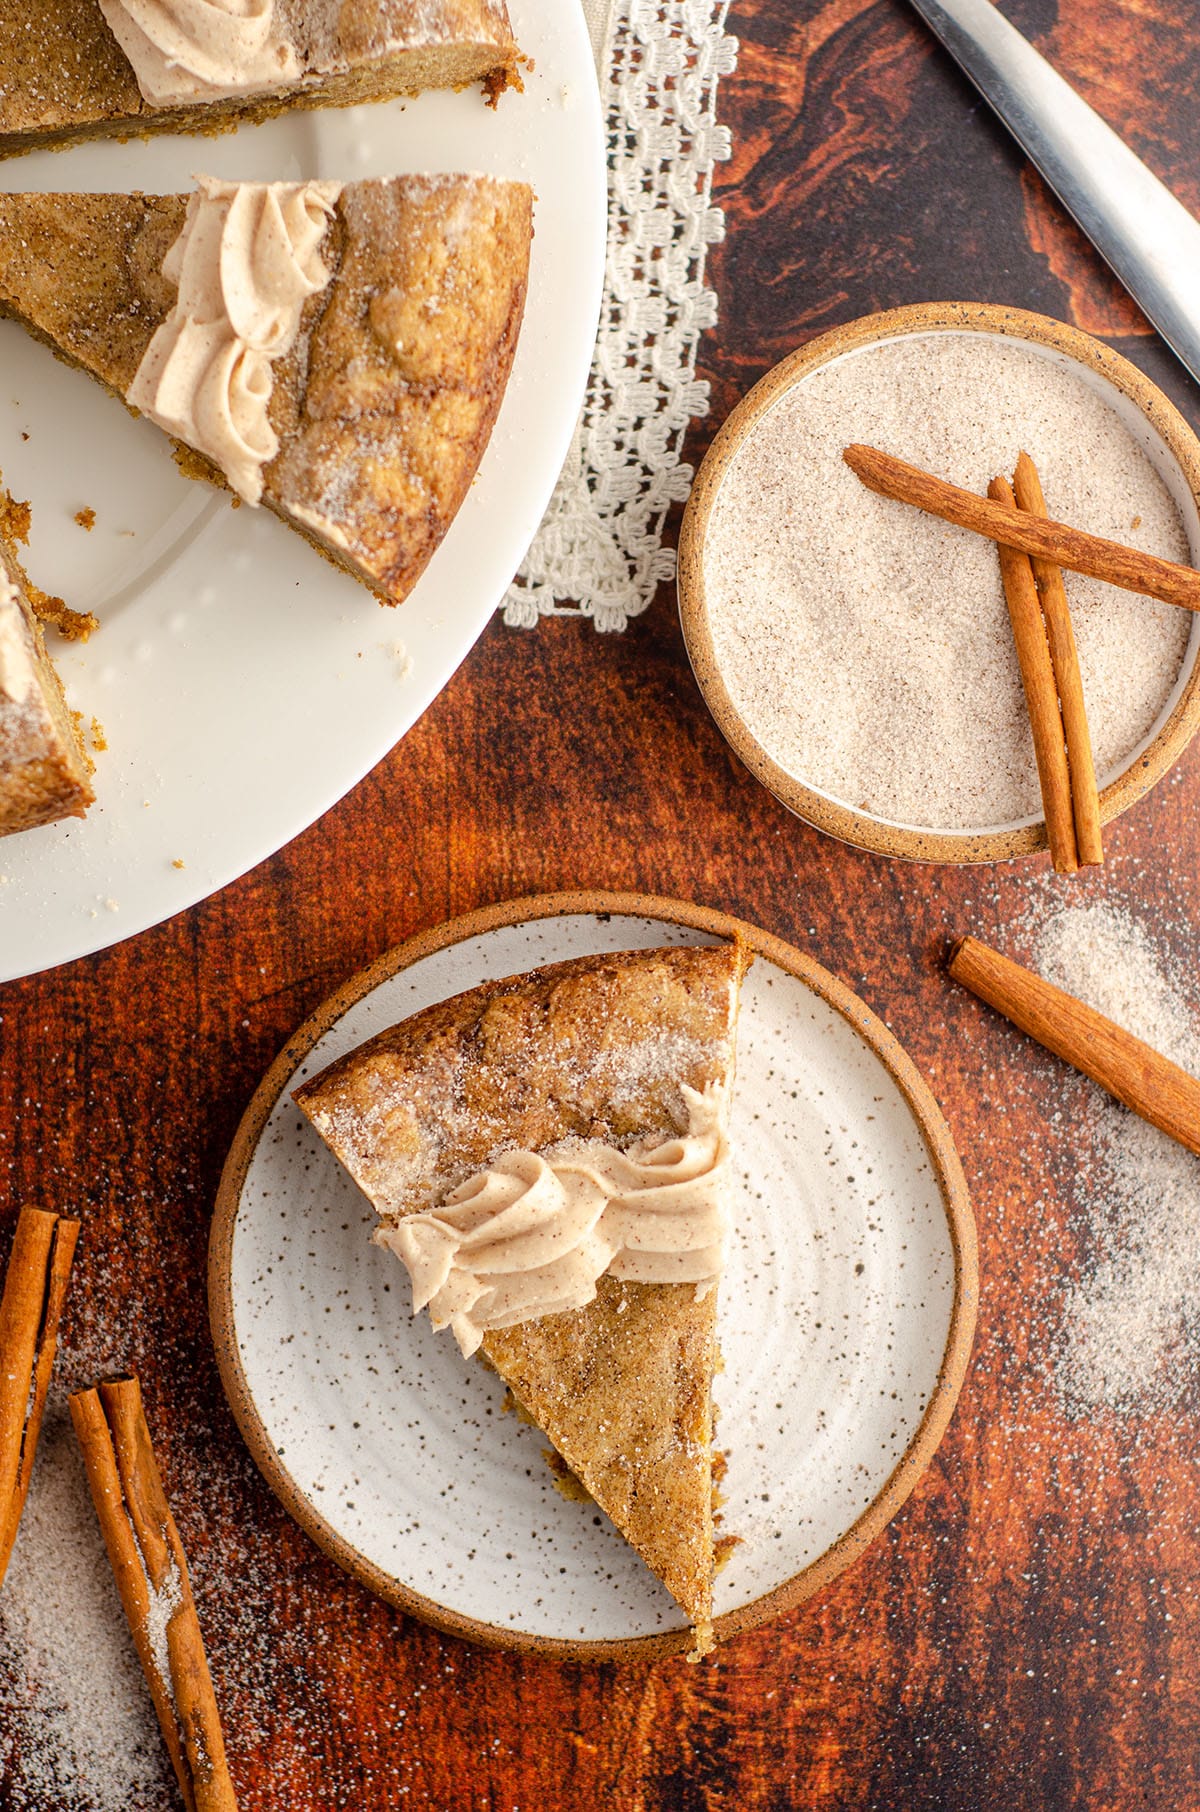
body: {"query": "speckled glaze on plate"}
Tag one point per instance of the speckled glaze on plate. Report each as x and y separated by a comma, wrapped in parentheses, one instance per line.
(846, 1314)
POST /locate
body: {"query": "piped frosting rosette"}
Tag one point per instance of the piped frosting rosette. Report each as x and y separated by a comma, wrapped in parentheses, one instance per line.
(183, 51)
(533, 1234)
(245, 263)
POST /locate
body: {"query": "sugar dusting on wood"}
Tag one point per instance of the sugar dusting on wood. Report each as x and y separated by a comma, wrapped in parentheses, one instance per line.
(1131, 1321)
(77, 1727)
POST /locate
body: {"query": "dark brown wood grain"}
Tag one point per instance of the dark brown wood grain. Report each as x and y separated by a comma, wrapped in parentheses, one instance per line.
(1027, 1633)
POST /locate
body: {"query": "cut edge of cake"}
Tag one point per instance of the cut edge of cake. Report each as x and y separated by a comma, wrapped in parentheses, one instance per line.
(45, 771)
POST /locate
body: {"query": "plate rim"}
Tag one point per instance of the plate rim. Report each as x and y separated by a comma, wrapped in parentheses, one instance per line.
(947, 1172)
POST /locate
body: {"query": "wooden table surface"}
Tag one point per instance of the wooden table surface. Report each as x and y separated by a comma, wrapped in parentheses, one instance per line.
(1027, 1632)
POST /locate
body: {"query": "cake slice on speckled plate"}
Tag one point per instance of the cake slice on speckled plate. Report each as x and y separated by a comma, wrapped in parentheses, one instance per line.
(548, 1155)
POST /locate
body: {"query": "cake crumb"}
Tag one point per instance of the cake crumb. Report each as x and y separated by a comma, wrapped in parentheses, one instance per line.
(179, 862)
(86, 518)
(15, 518)
(72, 625)
(99, 739)
(400, 654)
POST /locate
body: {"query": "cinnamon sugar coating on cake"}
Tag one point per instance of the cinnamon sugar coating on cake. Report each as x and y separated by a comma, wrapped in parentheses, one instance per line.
(623, 1389)
(64, 77)
(385, 404)
(384, 422)
(84, 274)
(597, 1048)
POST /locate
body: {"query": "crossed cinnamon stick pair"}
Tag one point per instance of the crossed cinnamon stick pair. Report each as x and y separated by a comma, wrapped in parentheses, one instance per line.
(1033, 549)
(135, 1518)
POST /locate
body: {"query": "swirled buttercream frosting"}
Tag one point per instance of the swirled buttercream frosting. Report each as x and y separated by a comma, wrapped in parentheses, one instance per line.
(184, 51)
(533, 1234)
(245, 263)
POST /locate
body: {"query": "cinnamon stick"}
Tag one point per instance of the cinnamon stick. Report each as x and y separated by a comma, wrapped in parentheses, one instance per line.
(1041, 694)
(1138, 1075)
(1064, 656)
(35, 1288)
(152, 1579)
(1079, 552)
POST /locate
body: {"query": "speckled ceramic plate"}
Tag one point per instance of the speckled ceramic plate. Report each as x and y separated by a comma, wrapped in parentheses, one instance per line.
(244, 684)
(846, 1313)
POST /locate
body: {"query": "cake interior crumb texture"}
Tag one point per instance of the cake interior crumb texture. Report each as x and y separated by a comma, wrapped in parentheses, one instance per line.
(866, 645)
(44, 768)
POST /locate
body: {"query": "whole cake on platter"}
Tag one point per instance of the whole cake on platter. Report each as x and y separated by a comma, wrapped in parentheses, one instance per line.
(78, 69)
(548, 1155)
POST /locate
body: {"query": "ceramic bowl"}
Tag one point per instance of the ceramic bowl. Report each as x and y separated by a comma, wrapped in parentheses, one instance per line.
(1154, 422)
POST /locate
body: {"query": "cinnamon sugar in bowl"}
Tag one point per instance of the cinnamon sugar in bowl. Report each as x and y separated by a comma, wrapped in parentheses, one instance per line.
(857, 654)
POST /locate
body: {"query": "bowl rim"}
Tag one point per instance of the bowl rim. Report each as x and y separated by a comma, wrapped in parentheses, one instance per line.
(944, 1161)
(917, 843)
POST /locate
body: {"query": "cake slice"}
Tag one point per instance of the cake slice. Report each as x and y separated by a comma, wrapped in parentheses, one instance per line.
(337, 352)
(44, 772)
(76, 69)
(542, 1075)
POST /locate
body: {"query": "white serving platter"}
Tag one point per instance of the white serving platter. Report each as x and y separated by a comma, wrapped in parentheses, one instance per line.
(243, 684)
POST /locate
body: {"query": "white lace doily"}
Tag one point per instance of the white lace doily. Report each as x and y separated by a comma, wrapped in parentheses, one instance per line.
(599, 549)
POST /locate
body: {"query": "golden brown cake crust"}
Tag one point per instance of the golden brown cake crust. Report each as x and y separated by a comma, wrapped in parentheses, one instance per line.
(44, 772)
(384, 406)
(64, 77)
(598, 1048)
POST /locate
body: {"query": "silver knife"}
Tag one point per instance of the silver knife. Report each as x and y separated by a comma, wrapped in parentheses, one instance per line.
(1133, 220)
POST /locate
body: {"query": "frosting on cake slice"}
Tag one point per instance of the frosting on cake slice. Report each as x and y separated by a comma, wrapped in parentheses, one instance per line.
(76, 69)
(337, 352)
(549, 1155)
(44, 772)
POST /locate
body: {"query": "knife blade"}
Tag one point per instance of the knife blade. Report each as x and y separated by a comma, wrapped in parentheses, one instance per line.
(1134, 221)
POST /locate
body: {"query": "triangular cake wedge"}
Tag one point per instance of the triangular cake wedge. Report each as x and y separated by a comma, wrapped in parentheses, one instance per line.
(44, 771)
(382, 407)
(601, 1048)
(78, 69)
